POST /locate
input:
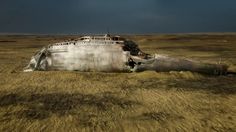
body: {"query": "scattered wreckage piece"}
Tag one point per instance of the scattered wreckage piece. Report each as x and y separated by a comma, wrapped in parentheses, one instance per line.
(111, 54)
(162, 63)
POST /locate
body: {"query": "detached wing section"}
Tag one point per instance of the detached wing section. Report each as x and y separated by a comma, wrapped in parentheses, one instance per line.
(163, 63)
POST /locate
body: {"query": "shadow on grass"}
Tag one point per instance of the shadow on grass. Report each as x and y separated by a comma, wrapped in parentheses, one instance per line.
(160, 117)
(41, 106)
(218, 85)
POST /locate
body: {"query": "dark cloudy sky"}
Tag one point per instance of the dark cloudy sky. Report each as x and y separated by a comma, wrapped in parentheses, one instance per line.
(120, 16)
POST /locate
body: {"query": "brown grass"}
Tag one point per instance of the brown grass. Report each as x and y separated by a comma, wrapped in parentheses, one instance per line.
(92, 101)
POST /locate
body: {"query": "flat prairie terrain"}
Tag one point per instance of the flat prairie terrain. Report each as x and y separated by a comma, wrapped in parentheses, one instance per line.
(94, 101)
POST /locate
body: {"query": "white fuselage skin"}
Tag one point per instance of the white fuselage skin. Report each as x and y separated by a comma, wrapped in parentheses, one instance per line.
(87, 54)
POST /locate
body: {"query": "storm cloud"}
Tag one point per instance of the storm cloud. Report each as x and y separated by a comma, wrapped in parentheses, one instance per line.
(121, 16)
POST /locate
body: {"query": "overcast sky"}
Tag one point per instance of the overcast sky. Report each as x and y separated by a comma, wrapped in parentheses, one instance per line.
(120, 16)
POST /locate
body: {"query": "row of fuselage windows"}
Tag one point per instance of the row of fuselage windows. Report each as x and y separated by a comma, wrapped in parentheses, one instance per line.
(76, 43)
(93, 38)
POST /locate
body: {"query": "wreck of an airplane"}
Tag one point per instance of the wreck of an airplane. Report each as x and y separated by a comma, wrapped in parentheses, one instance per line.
(111, 54)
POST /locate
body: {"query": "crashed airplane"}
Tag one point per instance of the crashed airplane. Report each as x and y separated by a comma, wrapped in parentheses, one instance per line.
(111, 54)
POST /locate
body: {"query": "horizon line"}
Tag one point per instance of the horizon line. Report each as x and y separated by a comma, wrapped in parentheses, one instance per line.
(65, 34)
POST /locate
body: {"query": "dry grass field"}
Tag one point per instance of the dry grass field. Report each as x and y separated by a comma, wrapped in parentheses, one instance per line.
(93, 101)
